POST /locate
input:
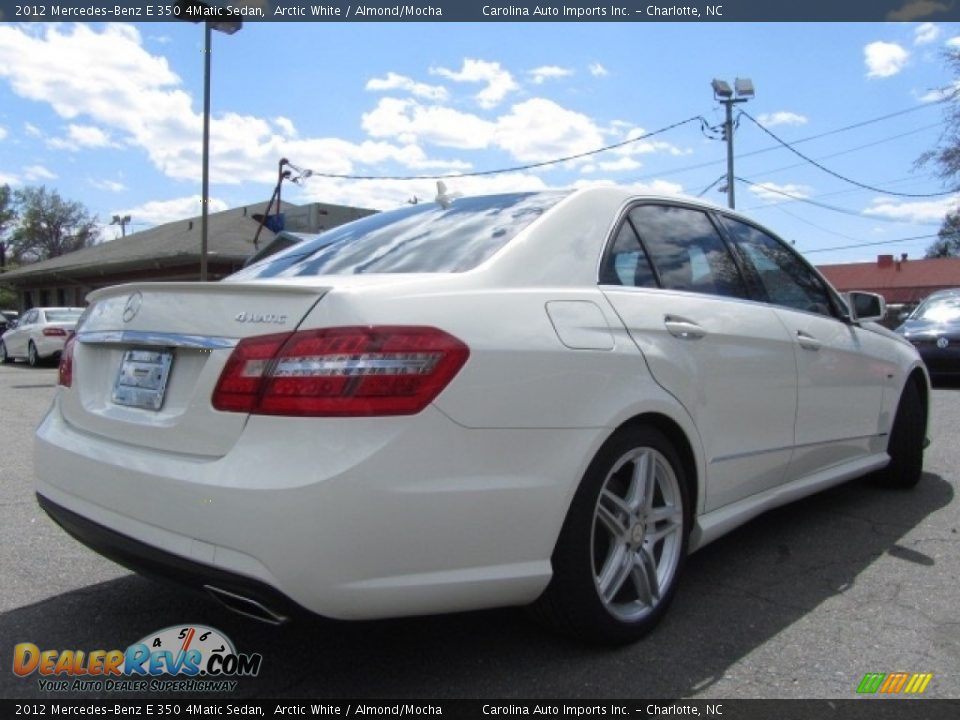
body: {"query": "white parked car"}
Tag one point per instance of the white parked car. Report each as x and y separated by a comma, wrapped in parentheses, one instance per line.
(536, 398)
(39, 335)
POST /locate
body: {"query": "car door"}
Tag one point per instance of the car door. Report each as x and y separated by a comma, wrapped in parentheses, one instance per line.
(842, 368)
(727, 360)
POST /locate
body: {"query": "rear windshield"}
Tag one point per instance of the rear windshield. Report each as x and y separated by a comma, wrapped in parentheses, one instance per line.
(62, 315)
(423, 238)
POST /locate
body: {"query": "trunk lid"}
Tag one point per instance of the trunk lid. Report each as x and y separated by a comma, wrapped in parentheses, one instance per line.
(148, 357)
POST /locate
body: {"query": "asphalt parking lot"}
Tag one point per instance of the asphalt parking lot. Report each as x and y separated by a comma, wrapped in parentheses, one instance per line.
(800, 603)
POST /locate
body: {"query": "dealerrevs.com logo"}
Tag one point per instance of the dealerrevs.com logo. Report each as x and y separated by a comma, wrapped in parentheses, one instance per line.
(181, 658)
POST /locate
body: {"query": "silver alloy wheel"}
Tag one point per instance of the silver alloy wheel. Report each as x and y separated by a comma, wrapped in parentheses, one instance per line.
(637, 534)
(32, 358)
(3, 352)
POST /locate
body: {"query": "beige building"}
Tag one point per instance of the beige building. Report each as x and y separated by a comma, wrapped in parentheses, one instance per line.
(165, 253)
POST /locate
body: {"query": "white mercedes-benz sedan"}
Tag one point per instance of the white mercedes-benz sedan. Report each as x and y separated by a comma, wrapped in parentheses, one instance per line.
(542, 399)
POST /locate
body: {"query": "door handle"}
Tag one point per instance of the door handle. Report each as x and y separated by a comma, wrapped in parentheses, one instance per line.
(808, 342)
(683, 329)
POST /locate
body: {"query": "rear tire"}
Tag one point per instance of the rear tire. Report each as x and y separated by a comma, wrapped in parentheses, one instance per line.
(906, 442)
(623, 543)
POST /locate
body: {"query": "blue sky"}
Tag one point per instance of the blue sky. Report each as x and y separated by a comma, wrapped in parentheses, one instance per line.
(110, 115)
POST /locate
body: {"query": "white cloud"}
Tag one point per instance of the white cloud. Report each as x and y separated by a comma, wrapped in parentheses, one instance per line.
(108, 185)
(548, 72)
(38, 172)
(655, 187)
(953, 42)
(646, 147)
(393, 81)
(32, 130)
(157, 212)
(382, 195)
(499, 82)
(81, 136)
(409, 121)
(619, 165)
(781, 118)
(286, 126)
(926, 33)
(598, 70)
(538, 129)
(922, 211)
(6, 179)
(158, 116)
(884, 59)
(772, 192)
(3, 132)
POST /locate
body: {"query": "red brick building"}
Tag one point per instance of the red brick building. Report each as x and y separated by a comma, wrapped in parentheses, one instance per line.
(900, 280)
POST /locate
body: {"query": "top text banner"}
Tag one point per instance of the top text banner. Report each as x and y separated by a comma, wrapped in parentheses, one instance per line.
(483, 11)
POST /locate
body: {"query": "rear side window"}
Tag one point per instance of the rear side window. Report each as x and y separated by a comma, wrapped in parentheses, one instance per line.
(627, 262)
(687, 251)
(785, 279)
(424, 238)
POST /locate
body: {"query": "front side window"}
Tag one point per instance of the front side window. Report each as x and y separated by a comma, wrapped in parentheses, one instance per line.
(687, 250)
(423, 238)
(784, 277)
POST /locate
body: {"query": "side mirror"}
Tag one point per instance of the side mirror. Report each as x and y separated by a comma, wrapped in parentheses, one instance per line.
(866, 307)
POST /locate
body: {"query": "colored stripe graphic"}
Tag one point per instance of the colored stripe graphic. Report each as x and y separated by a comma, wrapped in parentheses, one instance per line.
(893, 683)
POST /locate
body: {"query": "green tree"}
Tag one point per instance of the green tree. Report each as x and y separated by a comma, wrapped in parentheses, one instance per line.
(49, 226)
(7, 215)
(947, 243)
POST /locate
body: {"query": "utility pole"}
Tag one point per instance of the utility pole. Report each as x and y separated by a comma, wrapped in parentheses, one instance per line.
(723, 93)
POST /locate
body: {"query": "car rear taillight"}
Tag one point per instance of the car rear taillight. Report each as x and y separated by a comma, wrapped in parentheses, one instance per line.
(388, 370)
(54, 332)
(65, 374)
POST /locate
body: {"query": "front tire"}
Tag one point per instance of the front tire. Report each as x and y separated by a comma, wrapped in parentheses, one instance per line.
(4, 358)
(907, 439)
(623, 543)
(33, 358)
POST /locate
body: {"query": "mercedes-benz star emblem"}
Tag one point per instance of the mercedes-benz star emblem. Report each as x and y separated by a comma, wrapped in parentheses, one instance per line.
(942, 342)
(132, 307)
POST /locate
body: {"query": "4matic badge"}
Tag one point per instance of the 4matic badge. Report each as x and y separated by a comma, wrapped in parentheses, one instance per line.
(200, 658)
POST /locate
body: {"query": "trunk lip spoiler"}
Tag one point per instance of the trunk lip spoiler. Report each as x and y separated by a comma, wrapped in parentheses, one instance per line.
(156, 339)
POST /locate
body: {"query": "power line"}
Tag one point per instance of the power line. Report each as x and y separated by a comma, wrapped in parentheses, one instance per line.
(499, 171)
(771, 148)
(827, 170)
(825, 206)
(868, 244)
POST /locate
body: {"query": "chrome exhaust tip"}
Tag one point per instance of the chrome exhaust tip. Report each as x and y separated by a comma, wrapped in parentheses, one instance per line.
(245, 606)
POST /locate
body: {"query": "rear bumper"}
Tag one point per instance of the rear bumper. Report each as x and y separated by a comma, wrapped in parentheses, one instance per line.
(152, 562)
(350, 519)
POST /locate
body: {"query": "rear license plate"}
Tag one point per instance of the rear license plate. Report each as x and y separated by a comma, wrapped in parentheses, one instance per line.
(142, 379)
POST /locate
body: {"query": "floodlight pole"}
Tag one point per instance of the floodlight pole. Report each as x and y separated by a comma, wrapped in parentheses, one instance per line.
(196, 11)
(744, 93)
(205, 183)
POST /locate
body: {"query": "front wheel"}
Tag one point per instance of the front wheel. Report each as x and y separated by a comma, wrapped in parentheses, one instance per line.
(4, 358)
(907, 438)
(624, 541)
(33, 358)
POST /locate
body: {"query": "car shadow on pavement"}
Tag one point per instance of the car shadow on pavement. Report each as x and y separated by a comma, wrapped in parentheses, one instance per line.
(736, 594)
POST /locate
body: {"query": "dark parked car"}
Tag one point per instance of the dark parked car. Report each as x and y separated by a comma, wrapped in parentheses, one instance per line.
(934, 329)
